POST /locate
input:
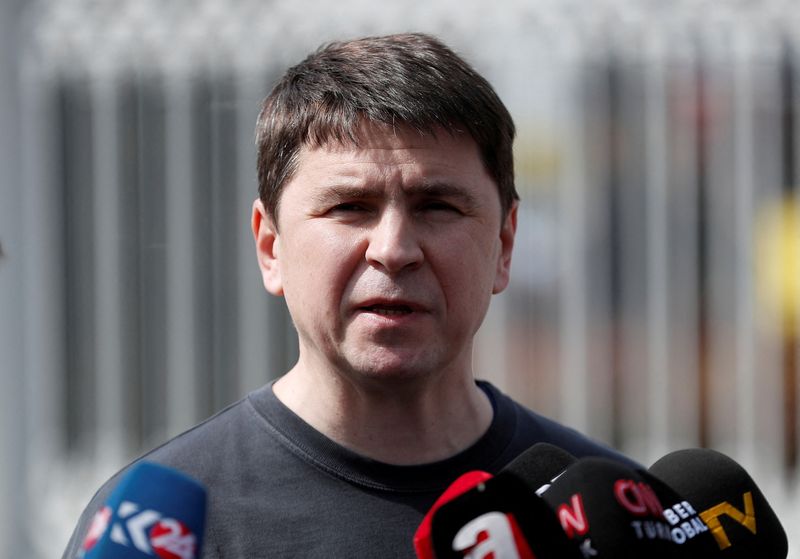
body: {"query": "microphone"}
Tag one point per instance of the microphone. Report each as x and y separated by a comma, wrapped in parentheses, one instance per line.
(500, 518)
(422, 537)
(155, 511)
(741, 521)
(540, 465)
(533, 468)
(688, 530)
(503, 515)
(609, 510)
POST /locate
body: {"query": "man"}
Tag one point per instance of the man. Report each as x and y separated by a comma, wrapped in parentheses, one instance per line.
(386, 219)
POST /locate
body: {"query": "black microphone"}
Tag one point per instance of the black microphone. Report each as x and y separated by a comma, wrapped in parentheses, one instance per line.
(728, 500)
(609, 510)
(155, 511)
(689, 532)
(540, 465)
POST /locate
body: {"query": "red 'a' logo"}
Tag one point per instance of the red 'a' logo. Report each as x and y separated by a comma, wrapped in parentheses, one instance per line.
(493, 535)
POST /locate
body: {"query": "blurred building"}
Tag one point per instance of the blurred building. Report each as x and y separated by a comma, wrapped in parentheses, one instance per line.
(656, 280)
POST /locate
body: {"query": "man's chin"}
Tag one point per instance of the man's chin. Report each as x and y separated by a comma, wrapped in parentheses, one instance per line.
(392, 367)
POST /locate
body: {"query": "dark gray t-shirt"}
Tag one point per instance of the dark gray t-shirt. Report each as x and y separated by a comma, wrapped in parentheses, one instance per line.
(279, 488)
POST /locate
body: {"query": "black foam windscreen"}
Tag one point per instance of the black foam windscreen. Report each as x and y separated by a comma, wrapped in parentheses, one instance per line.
(728, 500)
(610, 511)
(540, 464)
(502, 518)
(689, 532)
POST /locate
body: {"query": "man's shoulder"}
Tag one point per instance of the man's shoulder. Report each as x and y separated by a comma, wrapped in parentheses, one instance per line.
(531, 427)
(573, 441)
(209, 436)
(207, 452)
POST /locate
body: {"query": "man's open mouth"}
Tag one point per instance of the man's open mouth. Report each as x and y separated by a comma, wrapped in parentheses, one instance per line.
(388, 310)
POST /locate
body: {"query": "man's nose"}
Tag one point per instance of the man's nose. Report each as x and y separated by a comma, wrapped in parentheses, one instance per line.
(394, 244)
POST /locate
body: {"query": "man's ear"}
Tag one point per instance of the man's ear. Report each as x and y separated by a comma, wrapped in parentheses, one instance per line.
(266, 237)
(507, 233)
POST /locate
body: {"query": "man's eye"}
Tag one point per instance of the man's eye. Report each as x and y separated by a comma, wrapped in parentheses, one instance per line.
(348, 207)
(438, 206)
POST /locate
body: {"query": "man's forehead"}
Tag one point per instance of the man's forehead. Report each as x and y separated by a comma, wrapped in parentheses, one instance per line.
(435, 159)
(368, 135)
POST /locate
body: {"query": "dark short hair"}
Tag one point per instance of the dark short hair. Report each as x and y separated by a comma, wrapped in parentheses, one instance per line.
(412, 80)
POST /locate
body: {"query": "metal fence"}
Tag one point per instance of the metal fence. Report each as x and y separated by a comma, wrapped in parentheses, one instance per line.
(656, 281)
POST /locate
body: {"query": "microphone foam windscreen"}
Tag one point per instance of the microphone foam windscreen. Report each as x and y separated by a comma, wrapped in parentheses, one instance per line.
(501, 518)
(610, 511)
(728, 500)
(540, 464)
(465, 482)
(689, 532)
(154, 511)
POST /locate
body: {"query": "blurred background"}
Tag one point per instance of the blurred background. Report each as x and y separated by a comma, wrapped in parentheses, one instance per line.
(655, 300)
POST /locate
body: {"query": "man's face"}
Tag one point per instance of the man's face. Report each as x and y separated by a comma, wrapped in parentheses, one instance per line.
(387, 254)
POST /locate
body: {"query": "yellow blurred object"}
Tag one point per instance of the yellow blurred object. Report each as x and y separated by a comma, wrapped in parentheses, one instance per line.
(536, 159)
(778, 263)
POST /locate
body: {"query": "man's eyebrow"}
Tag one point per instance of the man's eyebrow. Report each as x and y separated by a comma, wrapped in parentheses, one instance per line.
(344, 192)
(432, 189)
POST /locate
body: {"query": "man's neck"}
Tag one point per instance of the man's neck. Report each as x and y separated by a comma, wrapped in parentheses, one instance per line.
(415, 423)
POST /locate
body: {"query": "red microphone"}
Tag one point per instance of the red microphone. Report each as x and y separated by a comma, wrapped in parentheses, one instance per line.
(423, 544)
